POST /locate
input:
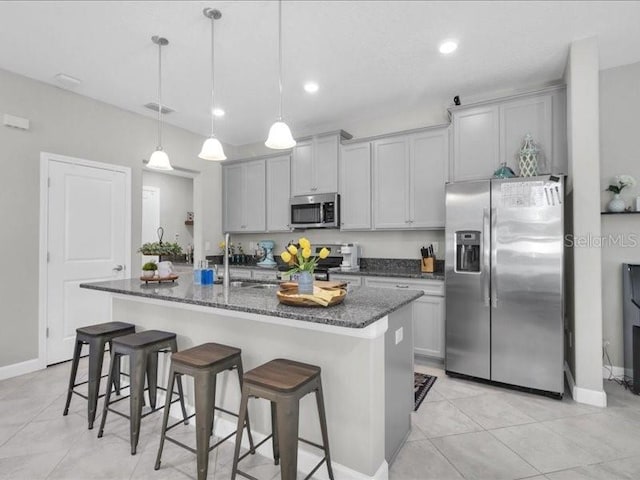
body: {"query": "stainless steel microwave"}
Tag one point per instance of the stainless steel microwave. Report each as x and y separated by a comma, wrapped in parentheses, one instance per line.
(315, 211)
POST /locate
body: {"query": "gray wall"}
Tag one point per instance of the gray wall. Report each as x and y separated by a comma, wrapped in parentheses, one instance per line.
(176, 199)
(69, 124)
(584, 170)
(619, 154)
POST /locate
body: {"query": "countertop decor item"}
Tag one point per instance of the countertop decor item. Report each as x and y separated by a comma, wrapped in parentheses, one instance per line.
(528, 158)
(617, 203)
(212, 148)
(300, 260)
(504, 171)
(321, 296)
(149, 270)
(159, 159)
(160, 248)
(171, 278)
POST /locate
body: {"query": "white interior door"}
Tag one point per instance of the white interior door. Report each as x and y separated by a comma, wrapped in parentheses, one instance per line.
(87, 240)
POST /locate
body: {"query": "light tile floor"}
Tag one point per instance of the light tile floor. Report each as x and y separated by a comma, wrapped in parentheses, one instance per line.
(463, 430)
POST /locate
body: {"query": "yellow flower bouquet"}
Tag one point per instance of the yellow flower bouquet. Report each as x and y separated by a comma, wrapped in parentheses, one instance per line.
(299, 258)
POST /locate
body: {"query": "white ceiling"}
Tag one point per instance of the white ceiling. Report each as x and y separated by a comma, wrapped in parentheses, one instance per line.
(372, 59)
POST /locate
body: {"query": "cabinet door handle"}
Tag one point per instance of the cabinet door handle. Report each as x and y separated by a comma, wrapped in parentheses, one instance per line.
(402, 286)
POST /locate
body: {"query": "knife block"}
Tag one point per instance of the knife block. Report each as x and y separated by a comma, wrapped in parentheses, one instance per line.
(427, 264)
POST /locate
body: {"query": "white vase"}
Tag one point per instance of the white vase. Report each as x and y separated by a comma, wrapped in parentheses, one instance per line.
(616, 204)
(148, 273)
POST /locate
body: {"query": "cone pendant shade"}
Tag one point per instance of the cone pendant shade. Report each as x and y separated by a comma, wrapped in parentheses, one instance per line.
(280, 137)
(159, 161)
(212, 150)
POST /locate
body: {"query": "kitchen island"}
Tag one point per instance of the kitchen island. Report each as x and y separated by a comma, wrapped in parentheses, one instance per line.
(364, 347)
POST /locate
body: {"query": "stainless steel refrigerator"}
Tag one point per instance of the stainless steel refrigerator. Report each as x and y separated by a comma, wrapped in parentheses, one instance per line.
(504, 281)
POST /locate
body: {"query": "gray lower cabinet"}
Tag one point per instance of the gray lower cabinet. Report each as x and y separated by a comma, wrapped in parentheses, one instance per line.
(428, 312)
(350, 280)
(244, 197)
(490, 133)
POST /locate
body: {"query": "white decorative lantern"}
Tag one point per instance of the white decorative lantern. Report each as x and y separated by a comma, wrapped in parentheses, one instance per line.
(528, 157)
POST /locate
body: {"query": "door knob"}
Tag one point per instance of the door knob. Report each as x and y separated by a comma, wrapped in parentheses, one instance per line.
(118, 268)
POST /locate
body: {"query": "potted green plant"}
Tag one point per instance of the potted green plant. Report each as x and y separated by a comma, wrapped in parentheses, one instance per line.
(161, 249)
(149, 269)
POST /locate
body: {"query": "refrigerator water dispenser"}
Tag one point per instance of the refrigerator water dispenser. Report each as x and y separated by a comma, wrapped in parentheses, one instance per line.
(467, 251)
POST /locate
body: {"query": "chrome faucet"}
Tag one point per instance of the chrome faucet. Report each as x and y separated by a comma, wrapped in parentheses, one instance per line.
(225, 280)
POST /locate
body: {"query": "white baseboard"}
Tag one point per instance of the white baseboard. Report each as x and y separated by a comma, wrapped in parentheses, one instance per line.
(307, 460)
(617, 372)
(21, 368)
(584, 395)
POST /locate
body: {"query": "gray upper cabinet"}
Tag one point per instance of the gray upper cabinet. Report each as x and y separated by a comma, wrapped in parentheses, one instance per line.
(355, 187)
(278, 188)
(519, 117)
(244, 197)
(475, 143)
(314, 167)
(409, 173)
(390, 183)
(428, 172)
(486, 135)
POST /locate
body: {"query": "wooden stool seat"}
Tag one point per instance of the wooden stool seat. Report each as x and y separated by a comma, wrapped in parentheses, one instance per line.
(282, 375)
(109, 328)
(144, 339)
(142, 348)
(284, 382)
(203, 363)
(205, 355)
(96, 336)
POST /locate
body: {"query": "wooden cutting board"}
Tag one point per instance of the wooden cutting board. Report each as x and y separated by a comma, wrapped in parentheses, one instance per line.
(327, 285)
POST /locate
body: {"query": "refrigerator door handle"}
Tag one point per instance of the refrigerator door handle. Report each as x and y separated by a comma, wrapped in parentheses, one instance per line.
(484, 277)
(494, 259)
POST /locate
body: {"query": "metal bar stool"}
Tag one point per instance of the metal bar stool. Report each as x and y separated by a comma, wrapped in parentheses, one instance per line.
(203, 363)
(284, 383)
(142, 349)
(96, 336)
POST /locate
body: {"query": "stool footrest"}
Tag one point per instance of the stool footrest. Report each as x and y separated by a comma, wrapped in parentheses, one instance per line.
(315, 469)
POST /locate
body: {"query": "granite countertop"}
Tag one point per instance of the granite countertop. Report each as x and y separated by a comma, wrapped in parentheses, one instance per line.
(400, 273)
(361, 307)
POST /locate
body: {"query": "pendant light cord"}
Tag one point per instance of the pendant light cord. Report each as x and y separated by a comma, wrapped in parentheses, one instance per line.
(159, 96)
(212, 80)
(280, 54)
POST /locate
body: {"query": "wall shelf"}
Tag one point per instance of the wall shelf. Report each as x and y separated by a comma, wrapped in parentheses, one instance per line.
(619, 213)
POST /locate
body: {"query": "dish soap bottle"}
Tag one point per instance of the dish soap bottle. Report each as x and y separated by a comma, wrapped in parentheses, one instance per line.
(503, 172)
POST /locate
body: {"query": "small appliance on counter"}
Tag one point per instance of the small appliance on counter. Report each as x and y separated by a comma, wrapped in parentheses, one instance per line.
(350, 257)
(266, 252)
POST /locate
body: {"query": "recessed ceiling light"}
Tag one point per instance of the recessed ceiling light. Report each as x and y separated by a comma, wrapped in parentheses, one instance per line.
(448, 47)
(218, 112)
(311, 87)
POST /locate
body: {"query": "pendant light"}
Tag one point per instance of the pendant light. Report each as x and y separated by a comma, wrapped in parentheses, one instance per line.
(280, 136)
(212, 148)
(159, 159)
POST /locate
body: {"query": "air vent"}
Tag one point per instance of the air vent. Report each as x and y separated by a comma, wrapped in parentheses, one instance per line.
(154, 106)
